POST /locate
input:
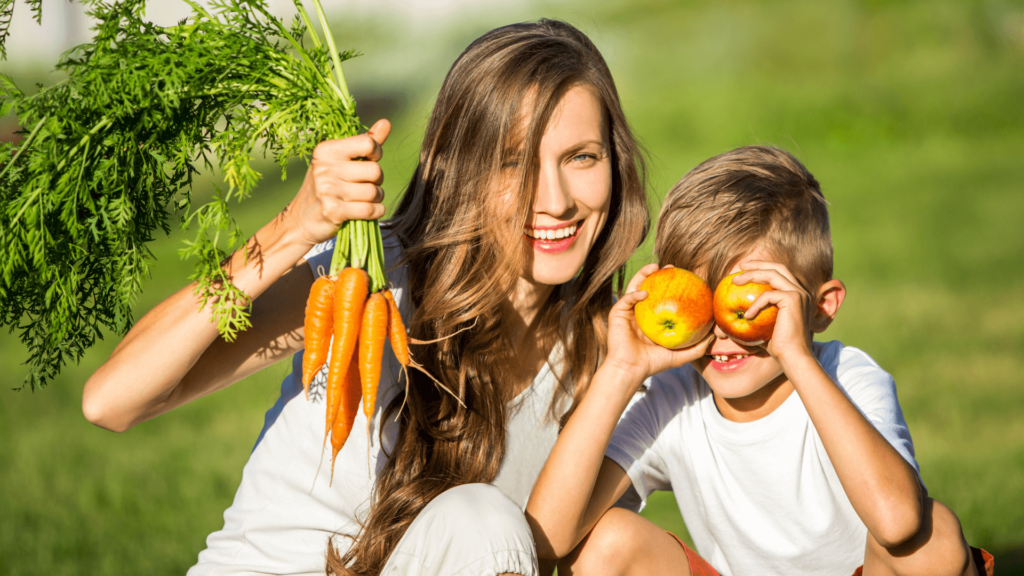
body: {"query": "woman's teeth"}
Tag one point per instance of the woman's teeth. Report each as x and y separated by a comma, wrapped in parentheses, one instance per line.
(550, 234)
(721, 358)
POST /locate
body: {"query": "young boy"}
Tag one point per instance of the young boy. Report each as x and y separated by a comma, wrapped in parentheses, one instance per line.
(791, 457)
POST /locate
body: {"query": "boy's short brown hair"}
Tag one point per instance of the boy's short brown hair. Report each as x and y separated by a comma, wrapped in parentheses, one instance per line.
(725, 206)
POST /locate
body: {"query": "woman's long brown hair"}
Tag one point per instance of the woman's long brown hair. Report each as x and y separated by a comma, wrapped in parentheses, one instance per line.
(464, 253)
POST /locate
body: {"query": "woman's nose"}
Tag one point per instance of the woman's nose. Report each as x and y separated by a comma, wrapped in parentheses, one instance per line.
(553, 196)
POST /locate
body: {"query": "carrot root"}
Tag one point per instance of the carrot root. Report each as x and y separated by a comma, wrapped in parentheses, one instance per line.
(457, 332)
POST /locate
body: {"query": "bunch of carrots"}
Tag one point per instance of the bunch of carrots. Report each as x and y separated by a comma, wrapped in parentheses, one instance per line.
(352, 307)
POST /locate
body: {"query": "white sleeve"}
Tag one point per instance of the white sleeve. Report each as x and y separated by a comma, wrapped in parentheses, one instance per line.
(638, 440)
(873, 391)
(319, 258)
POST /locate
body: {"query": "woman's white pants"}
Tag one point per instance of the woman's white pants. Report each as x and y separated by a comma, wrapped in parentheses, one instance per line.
(469, 530)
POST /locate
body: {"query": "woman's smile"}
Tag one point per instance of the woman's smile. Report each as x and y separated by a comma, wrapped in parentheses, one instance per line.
(553, 239)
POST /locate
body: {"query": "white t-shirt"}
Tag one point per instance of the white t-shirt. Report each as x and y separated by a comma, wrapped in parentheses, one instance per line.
(284, 510)
(760, 497)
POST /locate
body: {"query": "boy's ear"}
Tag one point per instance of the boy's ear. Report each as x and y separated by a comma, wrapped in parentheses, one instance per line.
(830, 297)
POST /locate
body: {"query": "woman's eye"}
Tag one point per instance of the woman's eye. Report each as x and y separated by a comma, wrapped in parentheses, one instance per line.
(586, 157)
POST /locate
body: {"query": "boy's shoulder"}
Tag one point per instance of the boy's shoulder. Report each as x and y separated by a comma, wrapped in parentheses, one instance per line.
(853, 370)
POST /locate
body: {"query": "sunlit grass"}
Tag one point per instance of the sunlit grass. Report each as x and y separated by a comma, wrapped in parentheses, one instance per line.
(909, 115)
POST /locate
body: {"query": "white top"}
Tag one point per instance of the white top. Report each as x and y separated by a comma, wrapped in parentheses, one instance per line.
(758, 497)
(284, 510)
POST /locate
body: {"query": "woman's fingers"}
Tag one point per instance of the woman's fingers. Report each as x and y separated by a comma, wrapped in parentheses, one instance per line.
(359, 172)
(364, 211)
(379, 132)
(362, 147)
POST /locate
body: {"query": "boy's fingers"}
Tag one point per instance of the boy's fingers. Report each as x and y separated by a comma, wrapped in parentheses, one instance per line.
(640, 276)
(694, 352)
(768, 276)
(629, 300)
(766, 299)
(753, 265)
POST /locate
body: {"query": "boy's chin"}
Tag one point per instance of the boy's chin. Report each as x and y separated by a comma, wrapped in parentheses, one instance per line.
(735, 382)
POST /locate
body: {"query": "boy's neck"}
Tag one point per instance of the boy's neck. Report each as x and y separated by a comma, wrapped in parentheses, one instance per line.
(757, 405)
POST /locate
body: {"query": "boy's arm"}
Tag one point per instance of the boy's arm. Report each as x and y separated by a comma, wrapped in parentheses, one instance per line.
(882, 486)
(578, 484)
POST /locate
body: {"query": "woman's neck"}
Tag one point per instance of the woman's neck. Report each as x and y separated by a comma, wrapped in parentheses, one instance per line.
(521, 310)
(521, 315)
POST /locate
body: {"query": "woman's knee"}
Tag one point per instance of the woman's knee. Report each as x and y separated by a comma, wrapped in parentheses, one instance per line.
(477, 509)
(468, 529)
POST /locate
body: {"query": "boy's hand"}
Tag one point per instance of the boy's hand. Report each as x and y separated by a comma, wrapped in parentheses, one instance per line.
(632, 351)
(792, 334)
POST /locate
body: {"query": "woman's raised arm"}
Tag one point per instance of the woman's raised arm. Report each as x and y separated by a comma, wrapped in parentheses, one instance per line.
(174, 355)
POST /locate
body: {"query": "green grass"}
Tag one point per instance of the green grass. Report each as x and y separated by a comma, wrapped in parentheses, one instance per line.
(907, 112)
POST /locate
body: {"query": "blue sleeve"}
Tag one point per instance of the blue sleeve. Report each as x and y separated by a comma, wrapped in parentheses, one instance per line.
(319, 258)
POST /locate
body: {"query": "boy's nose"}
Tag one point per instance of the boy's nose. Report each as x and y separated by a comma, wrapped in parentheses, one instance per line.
(719, 333)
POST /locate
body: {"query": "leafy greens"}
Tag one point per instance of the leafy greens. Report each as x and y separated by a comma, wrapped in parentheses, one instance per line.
(110, 156)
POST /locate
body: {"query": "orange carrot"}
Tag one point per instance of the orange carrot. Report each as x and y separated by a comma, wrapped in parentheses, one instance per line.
(400, 346)
(371, 349)
(349, 298)
(396, 331)
(347, 409)
(319, 328)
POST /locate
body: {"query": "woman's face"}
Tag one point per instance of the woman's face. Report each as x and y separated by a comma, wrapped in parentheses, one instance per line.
(573, 191)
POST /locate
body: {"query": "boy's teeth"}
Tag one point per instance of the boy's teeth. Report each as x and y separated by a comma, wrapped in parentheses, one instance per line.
(724, 358)
(551, 234)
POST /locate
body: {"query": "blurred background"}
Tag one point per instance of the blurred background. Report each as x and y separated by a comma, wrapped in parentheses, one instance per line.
(910, 114)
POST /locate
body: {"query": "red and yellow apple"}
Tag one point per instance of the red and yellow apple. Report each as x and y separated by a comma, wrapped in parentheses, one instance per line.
(731, 302)
(677, 310)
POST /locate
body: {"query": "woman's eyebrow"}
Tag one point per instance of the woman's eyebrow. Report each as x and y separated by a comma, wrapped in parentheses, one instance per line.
(584, 143)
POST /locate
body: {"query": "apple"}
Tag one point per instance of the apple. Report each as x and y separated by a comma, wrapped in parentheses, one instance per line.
(677, 310)
(731, 301)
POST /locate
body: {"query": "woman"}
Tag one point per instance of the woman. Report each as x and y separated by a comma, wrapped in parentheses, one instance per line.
(527, 199)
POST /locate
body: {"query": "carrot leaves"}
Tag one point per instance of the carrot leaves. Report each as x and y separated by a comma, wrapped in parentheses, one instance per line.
(110, 157)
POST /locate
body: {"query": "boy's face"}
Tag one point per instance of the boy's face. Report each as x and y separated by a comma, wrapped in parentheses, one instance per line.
(734, 370)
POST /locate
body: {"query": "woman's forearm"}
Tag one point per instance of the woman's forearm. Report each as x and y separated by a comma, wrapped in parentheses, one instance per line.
(173, 354)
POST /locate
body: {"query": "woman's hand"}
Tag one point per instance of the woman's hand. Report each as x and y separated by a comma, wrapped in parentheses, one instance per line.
(342, 183)
(632, 351)
(173, 354)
